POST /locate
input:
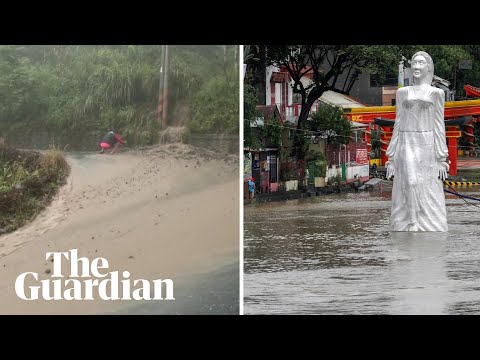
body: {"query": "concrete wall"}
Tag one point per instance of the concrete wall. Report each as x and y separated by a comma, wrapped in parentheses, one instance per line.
(332, 172)
(362, 172)
(362, 91)
(333, 152)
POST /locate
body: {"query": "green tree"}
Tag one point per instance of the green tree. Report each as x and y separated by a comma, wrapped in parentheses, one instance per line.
(271, 133)
(74, 90)
(469, 76)
(329, 122)
(324, 64)
(216, 106)
(446, 60)
(250, 113)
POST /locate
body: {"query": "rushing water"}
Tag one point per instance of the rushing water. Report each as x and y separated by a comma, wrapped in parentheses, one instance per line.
(334, 254)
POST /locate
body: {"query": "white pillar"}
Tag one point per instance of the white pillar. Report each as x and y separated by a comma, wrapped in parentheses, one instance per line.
(278, 94)
(290, 94)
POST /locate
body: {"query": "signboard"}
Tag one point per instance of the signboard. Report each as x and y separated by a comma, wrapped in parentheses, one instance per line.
(453, 133)
(361, 157)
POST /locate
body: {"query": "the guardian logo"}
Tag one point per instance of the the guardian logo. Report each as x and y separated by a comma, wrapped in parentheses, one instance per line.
(86, 282)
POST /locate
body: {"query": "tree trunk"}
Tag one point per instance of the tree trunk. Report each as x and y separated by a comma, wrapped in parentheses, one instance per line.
(300, 140)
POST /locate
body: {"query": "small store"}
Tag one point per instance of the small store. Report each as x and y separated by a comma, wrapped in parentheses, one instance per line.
(262, 166)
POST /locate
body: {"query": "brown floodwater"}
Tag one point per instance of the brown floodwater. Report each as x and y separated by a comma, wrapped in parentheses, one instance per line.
(335, 254)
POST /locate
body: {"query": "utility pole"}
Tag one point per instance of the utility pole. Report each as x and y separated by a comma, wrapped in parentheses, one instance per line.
(455, 79)
(401, 74)
(160, 88)
(165, 91)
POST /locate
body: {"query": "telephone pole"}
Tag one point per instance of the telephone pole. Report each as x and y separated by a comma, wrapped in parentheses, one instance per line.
(165, 91)
(160, 88)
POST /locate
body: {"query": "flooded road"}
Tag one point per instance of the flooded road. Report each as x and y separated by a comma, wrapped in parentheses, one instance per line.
(335, 254)
(163, 212)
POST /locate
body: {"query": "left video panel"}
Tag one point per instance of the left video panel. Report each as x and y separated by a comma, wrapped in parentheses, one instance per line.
(119, 179)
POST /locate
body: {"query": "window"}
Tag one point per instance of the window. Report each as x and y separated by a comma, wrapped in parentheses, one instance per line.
(297, 98)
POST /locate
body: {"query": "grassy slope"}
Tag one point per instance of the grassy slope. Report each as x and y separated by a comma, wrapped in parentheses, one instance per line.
(28, 182)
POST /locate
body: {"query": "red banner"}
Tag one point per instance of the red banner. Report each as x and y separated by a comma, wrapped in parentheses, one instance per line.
(361, 157)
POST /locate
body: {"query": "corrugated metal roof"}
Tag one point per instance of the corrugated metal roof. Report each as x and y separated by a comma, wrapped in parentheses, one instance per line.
(340, 100)
(358, 125)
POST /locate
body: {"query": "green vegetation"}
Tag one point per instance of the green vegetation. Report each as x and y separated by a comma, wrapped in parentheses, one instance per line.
(337, 68)
(330, 122)
(74, 91)
(335, 180)
(251, 138)
(288, 169)
(28, 181)
(268, 135)
(325, 64)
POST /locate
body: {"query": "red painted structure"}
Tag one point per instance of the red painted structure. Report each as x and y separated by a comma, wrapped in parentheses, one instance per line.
(453, 110)
(472, 90)
(468, 133)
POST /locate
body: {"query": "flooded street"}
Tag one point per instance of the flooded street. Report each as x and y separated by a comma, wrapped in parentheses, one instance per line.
(335, 254)
(159, 213)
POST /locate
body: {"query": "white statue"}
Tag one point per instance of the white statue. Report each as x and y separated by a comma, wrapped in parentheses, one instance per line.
(418, 154)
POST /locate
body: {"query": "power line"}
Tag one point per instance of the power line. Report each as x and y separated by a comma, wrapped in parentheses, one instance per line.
(314, 132)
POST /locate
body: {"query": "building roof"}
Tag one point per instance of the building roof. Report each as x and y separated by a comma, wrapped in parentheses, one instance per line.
(437, 80)
(358, 124)
(340, 100)
(279, 77)
(270, 111)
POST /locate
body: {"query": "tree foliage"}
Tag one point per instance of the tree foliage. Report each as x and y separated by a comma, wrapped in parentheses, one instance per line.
(74, 90)
(250, 113)
(216, 105)
(330, 122)
(337, 67)
(447, 59)
(324, 64)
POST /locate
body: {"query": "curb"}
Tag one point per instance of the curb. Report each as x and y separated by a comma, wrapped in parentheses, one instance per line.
(461, 183)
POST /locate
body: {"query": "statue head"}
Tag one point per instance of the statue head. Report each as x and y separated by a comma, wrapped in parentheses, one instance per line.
(422, 68)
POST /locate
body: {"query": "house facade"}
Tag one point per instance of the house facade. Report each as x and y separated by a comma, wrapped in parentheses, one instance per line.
(264, 165)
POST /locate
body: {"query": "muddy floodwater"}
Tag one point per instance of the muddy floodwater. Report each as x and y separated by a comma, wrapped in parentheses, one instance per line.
(161, 212)
(335, 254)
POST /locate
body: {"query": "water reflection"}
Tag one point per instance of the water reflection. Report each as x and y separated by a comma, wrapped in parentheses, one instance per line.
(420, 284)
(336, 255)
